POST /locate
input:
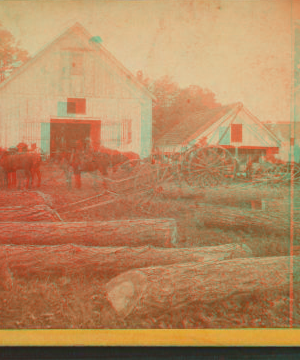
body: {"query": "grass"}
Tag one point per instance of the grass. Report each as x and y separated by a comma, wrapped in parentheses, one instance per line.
(79, 302)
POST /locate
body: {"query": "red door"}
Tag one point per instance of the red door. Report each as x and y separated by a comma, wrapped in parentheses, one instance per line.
(96, 134)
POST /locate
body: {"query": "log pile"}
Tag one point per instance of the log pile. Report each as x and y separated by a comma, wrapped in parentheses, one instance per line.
(155, 290)
(156, 232)
(106, 261)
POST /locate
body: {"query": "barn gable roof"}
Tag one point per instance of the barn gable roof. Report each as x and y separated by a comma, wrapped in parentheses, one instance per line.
(84, 35)
(201, 122)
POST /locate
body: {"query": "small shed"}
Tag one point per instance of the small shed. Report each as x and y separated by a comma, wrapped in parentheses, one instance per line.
(233, 127)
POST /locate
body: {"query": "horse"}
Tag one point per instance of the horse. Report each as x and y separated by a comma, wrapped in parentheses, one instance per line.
(29, 163)
(78, 162)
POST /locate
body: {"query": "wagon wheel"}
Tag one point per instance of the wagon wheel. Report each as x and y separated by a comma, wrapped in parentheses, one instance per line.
(148, 185)
(208, 166)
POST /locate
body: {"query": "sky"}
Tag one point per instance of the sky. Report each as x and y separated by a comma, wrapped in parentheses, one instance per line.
(239, 49)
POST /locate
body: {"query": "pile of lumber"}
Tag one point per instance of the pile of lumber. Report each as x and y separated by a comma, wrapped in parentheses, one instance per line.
(140, 279)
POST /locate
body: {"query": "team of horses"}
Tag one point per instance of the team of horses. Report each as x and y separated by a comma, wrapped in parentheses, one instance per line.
(94, 162)
(27, 164)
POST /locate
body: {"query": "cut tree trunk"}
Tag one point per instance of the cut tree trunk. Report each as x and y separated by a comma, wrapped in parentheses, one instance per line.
(107, 261)
(26, 198)
(34, 213)
(155, 290)
(156, 232)
(229, 217)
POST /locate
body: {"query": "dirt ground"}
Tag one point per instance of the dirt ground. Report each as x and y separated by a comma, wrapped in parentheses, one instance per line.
(79, 302)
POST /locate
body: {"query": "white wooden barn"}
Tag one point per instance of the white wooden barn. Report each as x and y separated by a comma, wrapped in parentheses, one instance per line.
(71, 90)
(232, 126)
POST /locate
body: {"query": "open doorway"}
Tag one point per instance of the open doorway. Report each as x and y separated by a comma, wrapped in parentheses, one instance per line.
(64, 136)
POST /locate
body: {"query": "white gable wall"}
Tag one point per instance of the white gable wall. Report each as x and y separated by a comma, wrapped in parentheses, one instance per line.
(253, 134)
(40, 92)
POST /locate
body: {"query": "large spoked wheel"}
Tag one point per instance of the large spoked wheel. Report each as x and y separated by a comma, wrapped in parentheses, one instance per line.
(208, 166)
(148, 186)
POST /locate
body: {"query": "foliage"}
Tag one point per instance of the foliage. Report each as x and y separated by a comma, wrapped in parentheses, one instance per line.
(174, 103)
(11, 55)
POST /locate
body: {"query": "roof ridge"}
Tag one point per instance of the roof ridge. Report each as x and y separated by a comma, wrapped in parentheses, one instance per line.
(75, 26)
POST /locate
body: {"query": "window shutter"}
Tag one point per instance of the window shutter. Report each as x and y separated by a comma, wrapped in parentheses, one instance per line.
(76, 106)
(71, 107)
(237, 133)
(45, 138)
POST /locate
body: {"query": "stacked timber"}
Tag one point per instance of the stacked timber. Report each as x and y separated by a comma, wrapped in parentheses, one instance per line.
(156, 232)
(157, 289)
(106, 261)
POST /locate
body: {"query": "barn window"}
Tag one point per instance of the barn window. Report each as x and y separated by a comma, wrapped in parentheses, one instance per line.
(111, 134)
(77, 64)
(76, 106)
(236, 133)
(126, 131)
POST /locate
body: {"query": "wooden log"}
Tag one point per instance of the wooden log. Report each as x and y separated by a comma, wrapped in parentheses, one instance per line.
(161, 289)
(156, 232)
(34, 213)
(26, 198)
(106, 261)
(238, 195)
(228, 217)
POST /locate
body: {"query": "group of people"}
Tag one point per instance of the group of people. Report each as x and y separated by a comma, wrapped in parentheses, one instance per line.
(248, 168)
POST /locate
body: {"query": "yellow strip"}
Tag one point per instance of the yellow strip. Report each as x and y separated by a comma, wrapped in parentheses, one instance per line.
(242, 337)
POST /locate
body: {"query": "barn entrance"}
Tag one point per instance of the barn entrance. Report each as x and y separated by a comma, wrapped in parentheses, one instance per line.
(64, 135)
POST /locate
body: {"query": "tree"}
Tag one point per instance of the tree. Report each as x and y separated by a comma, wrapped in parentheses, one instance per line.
(11, 55)
(174, 103)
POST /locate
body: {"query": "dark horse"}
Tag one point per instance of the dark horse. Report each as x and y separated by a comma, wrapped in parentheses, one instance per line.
(78, 162)
(29, 163)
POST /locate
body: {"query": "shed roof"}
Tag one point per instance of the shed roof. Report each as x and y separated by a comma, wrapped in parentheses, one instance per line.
(199, 122)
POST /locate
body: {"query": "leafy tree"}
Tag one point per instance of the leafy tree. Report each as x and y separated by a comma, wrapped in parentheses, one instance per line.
(173, 103)
(11, 55)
